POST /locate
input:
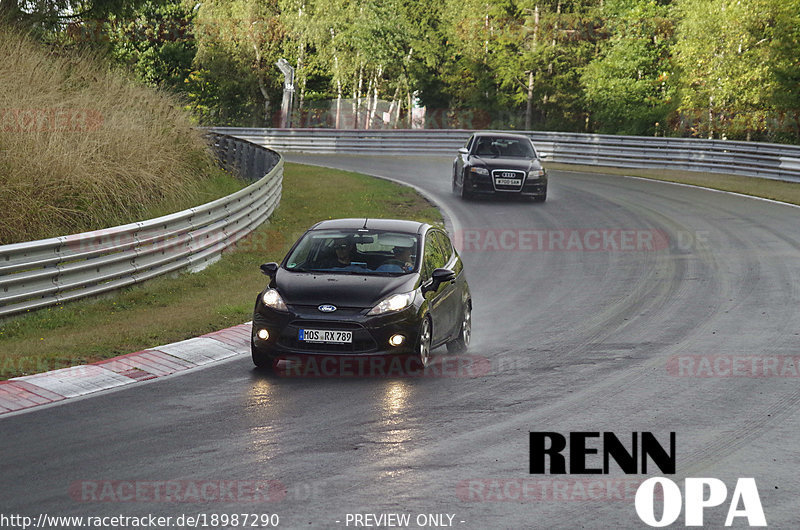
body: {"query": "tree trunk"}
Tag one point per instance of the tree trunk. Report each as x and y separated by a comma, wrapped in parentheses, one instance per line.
(368, 104)
(357, 102)
(410, 107)
(301, 78)
(392, 106)
(710, 117)
(529, 107)
(371, 118)
(261, 86)
(337, 75)
(337, 122)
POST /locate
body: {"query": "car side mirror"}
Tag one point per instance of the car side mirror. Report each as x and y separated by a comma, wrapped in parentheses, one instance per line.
(439, 277)
(463, 151)
(269, 269)
(443, 275)
(544, 155)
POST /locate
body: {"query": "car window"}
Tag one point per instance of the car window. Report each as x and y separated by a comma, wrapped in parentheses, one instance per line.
(436, 254)
(469, 143)
(504, 147)
(443, 243)
(354, 252)
(484, 147)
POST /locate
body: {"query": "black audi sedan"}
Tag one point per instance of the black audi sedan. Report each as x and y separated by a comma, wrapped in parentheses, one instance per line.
(499, 163)
(371, 287)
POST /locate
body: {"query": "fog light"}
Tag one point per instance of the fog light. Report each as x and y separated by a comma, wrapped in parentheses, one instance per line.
(396, 340)
(263, 334)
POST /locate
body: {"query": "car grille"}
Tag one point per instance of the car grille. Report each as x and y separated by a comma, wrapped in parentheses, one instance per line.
(362, 339)
(509, 174)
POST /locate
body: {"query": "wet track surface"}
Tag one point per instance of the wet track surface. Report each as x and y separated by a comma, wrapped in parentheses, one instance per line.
(577, 327)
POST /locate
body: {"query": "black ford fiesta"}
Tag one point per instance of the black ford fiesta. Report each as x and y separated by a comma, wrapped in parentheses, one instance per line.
(499, 163)
(364, 287)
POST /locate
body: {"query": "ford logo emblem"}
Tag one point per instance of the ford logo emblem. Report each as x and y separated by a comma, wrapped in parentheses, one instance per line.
(327, 308)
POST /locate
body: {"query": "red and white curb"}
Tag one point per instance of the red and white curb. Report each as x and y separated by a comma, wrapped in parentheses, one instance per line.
(40, 389)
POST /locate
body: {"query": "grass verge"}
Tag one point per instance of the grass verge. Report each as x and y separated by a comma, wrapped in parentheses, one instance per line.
(170, 309)
(778, 190)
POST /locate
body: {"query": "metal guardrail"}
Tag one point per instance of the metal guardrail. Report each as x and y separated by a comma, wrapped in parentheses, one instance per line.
(773, 161)
(42, 273)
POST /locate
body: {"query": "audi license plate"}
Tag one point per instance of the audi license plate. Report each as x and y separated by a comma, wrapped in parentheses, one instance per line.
(326, 336)
(508, 182)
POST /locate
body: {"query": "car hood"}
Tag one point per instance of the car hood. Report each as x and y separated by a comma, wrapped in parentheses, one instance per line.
(522, 164)
(342, 290)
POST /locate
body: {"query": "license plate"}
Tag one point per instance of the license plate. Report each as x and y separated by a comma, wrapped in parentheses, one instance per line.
(508, 182)
(326, 335)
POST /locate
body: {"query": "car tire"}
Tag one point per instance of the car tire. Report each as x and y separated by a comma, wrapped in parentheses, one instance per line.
(260, 359)
(461, 342)
(424, 338)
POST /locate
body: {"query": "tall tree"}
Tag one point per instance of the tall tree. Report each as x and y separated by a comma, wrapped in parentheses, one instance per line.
(250, 34)
(783, 124)
(629, 87)
(723, 49)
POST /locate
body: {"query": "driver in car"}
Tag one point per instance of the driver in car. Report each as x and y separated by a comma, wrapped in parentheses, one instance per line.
(401, 260)
(403, 255)
(344, 252)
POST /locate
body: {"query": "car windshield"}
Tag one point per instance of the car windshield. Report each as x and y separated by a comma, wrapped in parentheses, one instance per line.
(504, 147)
(355, 252)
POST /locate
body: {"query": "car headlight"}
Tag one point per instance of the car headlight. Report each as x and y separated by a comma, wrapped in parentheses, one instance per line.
(479, 171)
(395, 302)
(272, 299)
(535, 173)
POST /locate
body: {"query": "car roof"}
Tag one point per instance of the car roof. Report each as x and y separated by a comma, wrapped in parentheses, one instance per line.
(395, 225)
(483, 134)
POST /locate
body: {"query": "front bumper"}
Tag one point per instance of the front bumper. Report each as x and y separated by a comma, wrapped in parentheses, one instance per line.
(370, 333)
(484, 184)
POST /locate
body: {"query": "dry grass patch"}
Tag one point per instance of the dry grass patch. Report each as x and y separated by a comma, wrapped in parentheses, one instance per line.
(85, 147)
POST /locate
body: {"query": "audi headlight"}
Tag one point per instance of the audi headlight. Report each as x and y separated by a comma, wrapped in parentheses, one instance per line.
(273, 300)
(480, 171)
(395, 302)
(535, 173)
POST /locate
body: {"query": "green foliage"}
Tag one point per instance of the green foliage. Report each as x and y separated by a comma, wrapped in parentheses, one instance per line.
(728, 84)
(719, 68)
(785, 56)
(157, 44)
(629, 86)
(218, 98)
(238, 43)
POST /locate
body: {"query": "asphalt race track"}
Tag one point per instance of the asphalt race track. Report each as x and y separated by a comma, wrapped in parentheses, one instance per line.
(619, 305)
